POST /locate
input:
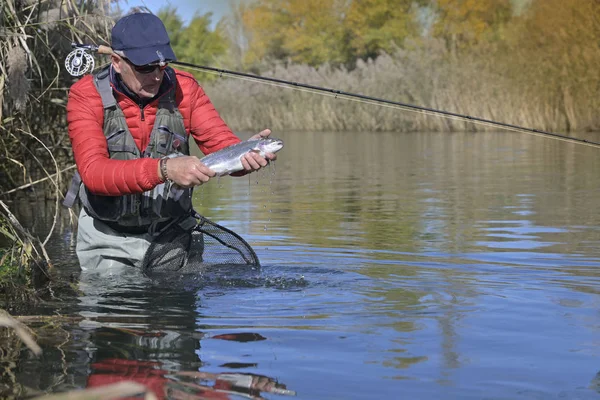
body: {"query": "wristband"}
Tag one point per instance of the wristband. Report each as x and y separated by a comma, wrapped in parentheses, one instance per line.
(163, 168)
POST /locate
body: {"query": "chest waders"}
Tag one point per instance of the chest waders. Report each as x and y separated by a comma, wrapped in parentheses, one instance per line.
(159, 205)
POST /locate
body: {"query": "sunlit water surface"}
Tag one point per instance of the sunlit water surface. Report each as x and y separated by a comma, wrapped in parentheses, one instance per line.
(394, 266)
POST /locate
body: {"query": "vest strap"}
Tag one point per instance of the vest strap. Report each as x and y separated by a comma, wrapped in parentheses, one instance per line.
(103, 85)
(73, 192)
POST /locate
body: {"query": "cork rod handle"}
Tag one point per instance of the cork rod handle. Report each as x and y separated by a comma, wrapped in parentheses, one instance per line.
(102, 49)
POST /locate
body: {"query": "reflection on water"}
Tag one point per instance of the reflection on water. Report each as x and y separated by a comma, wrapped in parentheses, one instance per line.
(153, 358)
(421, 265)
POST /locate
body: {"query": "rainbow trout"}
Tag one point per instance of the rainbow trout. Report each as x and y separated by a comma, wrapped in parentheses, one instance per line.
(229, 159)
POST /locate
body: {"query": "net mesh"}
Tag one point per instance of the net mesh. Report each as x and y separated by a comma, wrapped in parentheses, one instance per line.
(178, 249)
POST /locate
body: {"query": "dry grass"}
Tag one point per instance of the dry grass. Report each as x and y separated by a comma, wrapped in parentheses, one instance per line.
(424, 75)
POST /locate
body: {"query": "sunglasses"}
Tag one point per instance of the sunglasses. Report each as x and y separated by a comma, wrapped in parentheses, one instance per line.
(145, 69)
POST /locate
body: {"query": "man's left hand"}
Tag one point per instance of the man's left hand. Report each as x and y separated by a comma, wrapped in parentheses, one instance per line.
(254, 161)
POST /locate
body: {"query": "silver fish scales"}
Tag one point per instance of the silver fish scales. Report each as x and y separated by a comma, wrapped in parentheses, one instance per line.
(229, 159)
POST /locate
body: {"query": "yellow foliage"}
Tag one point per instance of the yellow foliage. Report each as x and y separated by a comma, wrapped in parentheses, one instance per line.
(306, 31)
(259, 21)
(467, 22)
(549, 50)
(555, 52)
(318, 31)
(315, 35)
(376, 25)
(566, 32)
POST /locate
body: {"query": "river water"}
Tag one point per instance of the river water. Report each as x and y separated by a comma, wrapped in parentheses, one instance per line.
(454, 266)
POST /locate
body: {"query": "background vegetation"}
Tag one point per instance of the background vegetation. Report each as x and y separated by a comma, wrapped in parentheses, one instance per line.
(525, 62)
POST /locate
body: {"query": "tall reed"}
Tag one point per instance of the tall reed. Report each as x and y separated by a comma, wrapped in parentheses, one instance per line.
(34, 85)
(425, 75)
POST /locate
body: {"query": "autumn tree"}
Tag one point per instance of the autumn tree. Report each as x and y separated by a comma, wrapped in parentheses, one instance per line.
(555, 50)
(564, 35)
(379, 25)
(338, 32)
(466, 23)
(305, 31)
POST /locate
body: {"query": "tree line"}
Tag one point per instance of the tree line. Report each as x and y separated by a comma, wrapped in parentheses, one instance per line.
(534, 62)
(555, 34)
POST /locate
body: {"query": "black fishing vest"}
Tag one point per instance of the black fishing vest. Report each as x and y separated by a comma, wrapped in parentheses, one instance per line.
(168, 138)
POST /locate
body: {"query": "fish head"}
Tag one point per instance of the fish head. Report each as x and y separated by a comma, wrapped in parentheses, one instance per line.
(271, 145)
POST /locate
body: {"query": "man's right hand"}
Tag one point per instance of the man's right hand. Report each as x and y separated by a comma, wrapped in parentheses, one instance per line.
(188, 171)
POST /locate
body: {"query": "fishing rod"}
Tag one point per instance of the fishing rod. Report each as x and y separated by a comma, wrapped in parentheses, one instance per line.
(79, 62)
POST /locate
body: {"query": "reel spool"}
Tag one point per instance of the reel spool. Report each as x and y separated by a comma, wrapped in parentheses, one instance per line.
(79, 62)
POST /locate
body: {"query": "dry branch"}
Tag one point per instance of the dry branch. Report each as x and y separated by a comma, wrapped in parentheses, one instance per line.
(21, 330)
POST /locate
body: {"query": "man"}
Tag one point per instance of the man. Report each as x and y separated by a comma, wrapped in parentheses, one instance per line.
(129, 127)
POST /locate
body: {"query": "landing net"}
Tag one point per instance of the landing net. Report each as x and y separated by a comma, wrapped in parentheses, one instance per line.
(192, 250)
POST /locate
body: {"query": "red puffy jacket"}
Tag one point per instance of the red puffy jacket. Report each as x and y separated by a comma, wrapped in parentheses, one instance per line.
(103, 176)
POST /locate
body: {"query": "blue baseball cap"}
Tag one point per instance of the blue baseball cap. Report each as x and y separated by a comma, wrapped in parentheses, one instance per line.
(143, 38)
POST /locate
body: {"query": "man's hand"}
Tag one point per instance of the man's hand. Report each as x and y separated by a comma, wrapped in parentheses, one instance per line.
(253, 161)
(188, 171)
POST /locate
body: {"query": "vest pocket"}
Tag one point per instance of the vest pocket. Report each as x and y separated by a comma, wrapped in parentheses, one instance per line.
(168, 199)
(170, 142)
(179, 200)
(118, 142)
(110, 208)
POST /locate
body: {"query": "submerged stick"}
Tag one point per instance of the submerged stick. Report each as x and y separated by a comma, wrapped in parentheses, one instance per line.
(21, 330)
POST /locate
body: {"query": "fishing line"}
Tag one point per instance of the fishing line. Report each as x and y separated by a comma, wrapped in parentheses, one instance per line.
(78, 63)
(363, 99)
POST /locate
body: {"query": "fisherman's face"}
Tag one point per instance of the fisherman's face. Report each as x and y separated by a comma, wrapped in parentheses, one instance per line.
(143, 84)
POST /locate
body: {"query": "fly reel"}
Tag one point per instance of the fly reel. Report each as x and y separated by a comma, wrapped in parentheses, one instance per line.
(80, 61)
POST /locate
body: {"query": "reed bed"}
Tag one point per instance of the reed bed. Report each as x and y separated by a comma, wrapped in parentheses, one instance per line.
(33, 88)
(37, 35)
(425, 75)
